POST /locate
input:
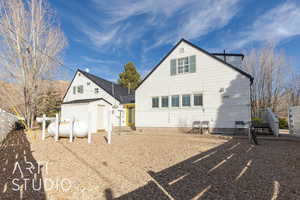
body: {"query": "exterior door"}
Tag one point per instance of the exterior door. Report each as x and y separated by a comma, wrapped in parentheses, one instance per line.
(130, 114)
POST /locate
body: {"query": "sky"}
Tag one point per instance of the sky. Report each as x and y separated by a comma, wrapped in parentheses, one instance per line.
(103, 35)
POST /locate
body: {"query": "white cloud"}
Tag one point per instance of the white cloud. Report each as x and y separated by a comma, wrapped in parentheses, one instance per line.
(275, 25)
(200, 19)
(122, 10)
(99, 61)
(165, 20)
(100, 38)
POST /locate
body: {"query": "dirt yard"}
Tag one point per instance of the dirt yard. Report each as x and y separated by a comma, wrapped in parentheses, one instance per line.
(149, 167)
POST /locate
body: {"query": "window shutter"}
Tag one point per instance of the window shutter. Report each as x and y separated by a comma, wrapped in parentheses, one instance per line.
(193, 64)
(173, 67)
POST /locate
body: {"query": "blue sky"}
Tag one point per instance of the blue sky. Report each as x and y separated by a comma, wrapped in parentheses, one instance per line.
(104, 35)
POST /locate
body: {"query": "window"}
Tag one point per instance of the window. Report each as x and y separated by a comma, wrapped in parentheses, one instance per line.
(155, 102)
(175, 101)
(165, 102)
(186, 100)
(198, 100)
(96, 90)
(80, 89)
(183, 65)
(74, 89)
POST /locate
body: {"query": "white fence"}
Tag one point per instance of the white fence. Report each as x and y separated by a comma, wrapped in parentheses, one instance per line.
(7, 122)
(294, 120)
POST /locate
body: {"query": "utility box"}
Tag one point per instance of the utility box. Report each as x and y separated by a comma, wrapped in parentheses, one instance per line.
(294, 120)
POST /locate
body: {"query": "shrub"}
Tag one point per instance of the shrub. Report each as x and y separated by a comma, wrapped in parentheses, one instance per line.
(283, 123)
(257, 120)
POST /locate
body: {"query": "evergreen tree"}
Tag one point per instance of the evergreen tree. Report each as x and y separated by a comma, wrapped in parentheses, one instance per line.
(49, 103)
(130, 77)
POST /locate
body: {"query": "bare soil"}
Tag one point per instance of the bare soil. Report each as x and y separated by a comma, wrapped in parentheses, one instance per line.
(150, 166)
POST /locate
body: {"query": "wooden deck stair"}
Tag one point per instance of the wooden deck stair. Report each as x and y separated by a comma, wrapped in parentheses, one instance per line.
(270, 124)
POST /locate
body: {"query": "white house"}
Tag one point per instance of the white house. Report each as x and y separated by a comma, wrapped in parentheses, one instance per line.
(89, 98)
(189, 84)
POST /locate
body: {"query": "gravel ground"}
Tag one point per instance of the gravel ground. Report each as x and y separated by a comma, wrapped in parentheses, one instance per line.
(151, 167)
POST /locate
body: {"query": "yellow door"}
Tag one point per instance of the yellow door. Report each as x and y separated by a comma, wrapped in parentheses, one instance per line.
(130, 114)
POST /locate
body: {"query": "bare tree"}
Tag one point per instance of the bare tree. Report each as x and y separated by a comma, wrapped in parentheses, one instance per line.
(293, 89)
(31, 43)
(271, 73)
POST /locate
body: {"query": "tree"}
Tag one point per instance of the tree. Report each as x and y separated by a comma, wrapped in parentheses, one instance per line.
(271, 74)
(31, 43)
(49, 102)
(130, 78)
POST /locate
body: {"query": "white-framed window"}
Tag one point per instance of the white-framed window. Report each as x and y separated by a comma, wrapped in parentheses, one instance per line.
(80, 89)
(165, 102)
(183, 65)
(186, 100)
(175, 100)
(74, 89)
(155, 102)
(96, 90)
(198, 99)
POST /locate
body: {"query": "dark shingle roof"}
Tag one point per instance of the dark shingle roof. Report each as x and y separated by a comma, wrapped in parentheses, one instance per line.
(117, 91)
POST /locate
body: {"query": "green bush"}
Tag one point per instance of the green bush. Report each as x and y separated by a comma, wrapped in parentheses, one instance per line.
(283, 123)
(257, 120)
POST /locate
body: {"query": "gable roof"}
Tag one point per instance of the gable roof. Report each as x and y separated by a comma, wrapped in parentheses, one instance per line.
(203, 51)
(115, 90)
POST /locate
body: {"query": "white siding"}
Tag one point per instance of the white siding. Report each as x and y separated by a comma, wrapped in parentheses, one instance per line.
(210, 76)
(88, 112)
(88, 90)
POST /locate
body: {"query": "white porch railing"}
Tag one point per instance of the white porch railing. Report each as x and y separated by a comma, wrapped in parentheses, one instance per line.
(269, 117)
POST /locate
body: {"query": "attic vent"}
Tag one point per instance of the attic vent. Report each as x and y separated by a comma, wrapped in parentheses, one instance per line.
(88, 83)
(181, 50)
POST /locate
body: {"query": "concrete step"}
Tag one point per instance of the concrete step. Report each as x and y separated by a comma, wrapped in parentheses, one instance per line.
(123, 129)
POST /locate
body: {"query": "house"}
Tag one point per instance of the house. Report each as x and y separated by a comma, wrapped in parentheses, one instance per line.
(188, 85)
(90, 98)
